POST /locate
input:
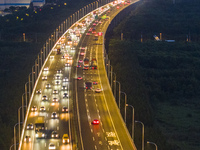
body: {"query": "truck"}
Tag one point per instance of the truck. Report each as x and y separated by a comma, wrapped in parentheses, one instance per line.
(94, 63)
(40, 127)
(86, 63)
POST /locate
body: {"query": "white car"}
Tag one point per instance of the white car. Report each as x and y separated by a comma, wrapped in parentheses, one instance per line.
(44, 98)
(39, 91)
(54, 115)
(58, 77)
(46, 69)
(55, 100)
(57, 82)
(27, 138)
(65, 95)
(48, 86)
(65, 79)
(59, 71)
(52, 146)
(44, 78)
(34, 108)
(30, 126)
(67, 65)
(42, 108)
(64, 87)
(55, 91)
(98, 90)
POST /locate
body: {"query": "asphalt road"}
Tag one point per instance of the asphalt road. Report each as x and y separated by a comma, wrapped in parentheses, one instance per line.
(111, 132)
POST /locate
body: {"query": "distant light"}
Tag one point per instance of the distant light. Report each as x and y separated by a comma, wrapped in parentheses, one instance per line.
(51, 7)
(65, 3)
(22, 19)
(17, 17)
(36, 12)
(27, 14)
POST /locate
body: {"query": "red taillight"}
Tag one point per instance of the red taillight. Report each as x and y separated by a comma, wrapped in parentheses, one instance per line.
(92, 67)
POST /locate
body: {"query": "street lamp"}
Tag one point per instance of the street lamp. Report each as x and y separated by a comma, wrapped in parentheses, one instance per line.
(19, 119)
(119, 90)
(15, 135)
(112, 83)
(132, 120)
(153, 144)
(12, 146)
(124, 105)
(142, 133)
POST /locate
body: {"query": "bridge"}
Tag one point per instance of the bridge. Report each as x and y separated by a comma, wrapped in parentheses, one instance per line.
(64, 112)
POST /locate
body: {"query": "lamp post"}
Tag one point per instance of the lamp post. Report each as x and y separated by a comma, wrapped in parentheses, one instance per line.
(119, 90)
(19, 119)
(142, 133)
(153, 144)
(124, 105)
(112, 83)
(132, 120)
(12, 146)
(15, 135)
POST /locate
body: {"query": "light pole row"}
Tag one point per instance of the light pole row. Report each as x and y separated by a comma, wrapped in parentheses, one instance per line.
(110, 69)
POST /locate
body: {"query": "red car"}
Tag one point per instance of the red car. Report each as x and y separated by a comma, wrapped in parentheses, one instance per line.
(79, 78)
(95, 122)
(95, 83)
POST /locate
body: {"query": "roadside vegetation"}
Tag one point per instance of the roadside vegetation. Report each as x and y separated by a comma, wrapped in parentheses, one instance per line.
(161, 79)
(18, 57)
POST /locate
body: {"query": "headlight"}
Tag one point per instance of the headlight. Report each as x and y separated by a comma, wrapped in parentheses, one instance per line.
(36, 135)
(42, 134)
(68, 140)
(52, 135)
(63, 141)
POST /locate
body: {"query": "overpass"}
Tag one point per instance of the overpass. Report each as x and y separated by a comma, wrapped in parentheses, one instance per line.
(59, 88)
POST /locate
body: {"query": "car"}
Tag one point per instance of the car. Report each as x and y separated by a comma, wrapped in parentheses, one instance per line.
(65, 138)
(80, 61)
(55, 91)
(73, 48)
(57, 77)
(44, 98)
(98, 90)
(85, 68)
(82, 53)
(44, 78)
(48, 86)
(95, 83)
(54, 134)
(78, 66)
(65, 79)
(57, 82)
(64, 87)
(52, 146)
(65, 95)
(79, 78)
(63, 57)
(64, 109)
(55, 100)
(46, 69)
(54, 115)
(88, 33)
(42, 108)
(59, 71)
(67, 65)
(34, 108)
(27, 138)
(95, 122)
(30, 126)
(38, 91)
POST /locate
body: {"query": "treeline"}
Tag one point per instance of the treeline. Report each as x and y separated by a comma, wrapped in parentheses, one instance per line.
(161, 79)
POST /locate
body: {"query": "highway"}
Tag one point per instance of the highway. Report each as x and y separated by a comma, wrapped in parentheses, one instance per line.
(111, 132)
(60, 88)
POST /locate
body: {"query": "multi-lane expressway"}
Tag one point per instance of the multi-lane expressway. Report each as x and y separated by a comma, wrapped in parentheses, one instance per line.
(62, 72)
